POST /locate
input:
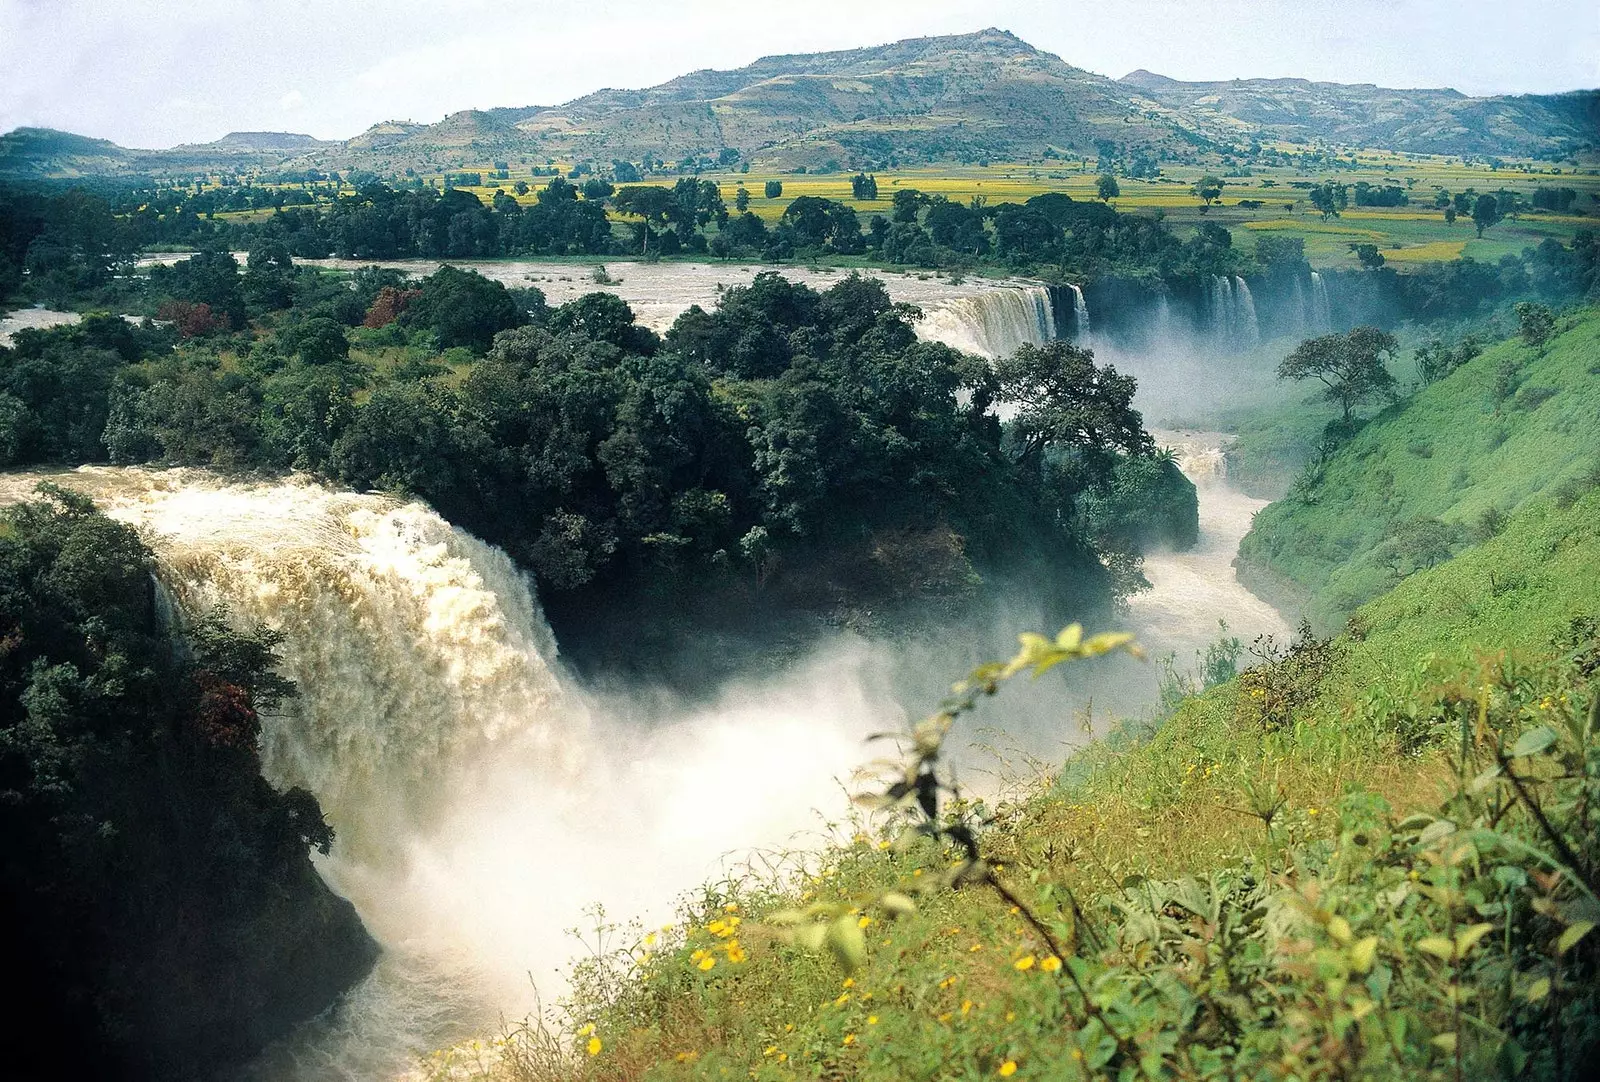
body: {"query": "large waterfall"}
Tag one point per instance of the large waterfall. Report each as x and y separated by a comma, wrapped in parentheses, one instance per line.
(481, 803)
(995, 322)
(1233, 311)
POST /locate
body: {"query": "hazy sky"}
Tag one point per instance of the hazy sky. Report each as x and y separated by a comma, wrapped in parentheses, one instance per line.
(151, 73)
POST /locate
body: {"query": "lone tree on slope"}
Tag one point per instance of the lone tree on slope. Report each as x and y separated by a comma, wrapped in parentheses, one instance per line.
(1353, 367)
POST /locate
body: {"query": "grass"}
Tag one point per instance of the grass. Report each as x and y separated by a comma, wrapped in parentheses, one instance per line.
(1507, 426)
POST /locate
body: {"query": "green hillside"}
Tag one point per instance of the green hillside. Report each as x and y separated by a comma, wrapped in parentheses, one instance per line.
(1432, 473)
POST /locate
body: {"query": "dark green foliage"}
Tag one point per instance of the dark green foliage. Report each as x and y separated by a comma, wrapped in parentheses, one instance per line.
(463, 308)
(1535, 323)
(158, 902)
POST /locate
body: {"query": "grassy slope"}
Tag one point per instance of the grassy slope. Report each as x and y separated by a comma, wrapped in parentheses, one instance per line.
(941, 994)
(1451, 452)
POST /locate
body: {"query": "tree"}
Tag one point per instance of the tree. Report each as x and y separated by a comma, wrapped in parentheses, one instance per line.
(1108, 188)
(773, 189)
(1450, 215)
(1536, 323)
(1369, 255)
(907, 201)
(741, 199)
(463, 308)
(1329, 199)
(1065, 401)
(863, 187)
(1208, 188)
(1486, 212)
(1351, 367)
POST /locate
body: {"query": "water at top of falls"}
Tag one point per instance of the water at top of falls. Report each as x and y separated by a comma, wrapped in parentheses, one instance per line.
(992, 323)
(988, 316)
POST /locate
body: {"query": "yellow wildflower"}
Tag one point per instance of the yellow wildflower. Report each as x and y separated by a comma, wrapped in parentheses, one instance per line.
(594, 1046)
(849, 1039)
(1008, 1068)
(966, 1007)
(863, 922)
(1024, 963)
(736, 953)
(1050, 964)
(844, 997)
(872, 1019)
(586, 1030)
(707, 962)
(849, 982)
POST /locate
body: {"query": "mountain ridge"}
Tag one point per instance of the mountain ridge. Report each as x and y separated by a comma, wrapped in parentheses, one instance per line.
(966, 97)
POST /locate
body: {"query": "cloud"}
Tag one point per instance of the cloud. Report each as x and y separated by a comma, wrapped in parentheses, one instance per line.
(292, 101)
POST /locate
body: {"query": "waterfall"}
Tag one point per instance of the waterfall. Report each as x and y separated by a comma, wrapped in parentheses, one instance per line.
(995, 322)
(1321, 320)
(1249, 327)
(481, 803)
(1233, 311)
(1080, 315)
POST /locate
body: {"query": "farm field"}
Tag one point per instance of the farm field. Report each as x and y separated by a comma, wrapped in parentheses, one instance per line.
(1408, 235)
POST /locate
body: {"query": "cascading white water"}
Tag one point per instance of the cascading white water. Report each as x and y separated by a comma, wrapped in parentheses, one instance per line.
(1080, 315)
(1249, 327)
(1192, 590)
(480, 803)
(1321, 310)
(1233, 311)
(993, 323)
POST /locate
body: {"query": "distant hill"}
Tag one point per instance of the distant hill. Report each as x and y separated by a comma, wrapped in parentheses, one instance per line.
(960, 98)
(1439, 121)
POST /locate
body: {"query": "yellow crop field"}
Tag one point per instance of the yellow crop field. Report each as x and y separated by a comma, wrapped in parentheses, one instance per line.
(1434, 251)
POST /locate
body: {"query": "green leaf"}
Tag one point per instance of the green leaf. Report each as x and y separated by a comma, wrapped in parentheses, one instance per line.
(897, 904)
(1537, 990)
(1533, 741)
(1339, 929)
(1466, 938)
(811, 936)
(845, 941)
(1446, 1041)
(1363, 953)
(1438, 946)
(1575, 931)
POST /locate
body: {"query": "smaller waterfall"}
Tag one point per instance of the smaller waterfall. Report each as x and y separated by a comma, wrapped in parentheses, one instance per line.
(1321, 320)
(1233, 311)
(1080, 314)
(1249, 327)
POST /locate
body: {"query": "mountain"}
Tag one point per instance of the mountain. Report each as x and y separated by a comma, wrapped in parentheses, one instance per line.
(988, 94)
(969, 97)
(1437, 121)
(44, 153)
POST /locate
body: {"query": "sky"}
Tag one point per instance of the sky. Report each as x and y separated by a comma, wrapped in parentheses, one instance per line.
(153, 73)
